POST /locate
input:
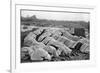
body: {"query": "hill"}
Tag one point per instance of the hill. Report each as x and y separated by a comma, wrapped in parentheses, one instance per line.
(53, 23)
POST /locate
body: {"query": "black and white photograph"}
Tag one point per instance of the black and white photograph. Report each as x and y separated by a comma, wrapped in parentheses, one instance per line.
(52, 36)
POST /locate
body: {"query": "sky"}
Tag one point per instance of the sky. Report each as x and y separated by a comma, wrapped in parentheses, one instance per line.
(57, 15)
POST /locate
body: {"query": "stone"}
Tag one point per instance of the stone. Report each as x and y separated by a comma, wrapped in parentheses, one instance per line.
(24, 52)
(30, 39)
(40, 54)
(38, 31)
(85, 48)
(51, 50)
(84, 40)
(69, 36)
(60, 45)
(44, 35)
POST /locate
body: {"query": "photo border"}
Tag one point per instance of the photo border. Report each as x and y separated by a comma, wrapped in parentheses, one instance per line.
(14, 70)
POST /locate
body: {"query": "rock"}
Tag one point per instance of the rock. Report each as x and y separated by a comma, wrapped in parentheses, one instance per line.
(69, 43)
(53, 42)
(39, 54)
(69, 36)
(85, 48)
(49, 32)
(47, 43)
(38, 31)
(51, 50)
(55, 36)
(44, 35)
(59, 51)
(84, 40)
(30, 39)
(36, 52)
(24, 52)
(46, 40)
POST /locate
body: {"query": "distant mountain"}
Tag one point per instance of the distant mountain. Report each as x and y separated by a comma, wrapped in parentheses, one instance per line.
(33, 17)
(33, 20)
(28, 18)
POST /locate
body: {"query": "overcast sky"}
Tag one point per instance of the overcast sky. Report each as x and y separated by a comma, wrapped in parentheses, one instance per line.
(57, 15)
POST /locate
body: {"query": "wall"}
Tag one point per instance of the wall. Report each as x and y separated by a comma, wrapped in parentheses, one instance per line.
(5, 36)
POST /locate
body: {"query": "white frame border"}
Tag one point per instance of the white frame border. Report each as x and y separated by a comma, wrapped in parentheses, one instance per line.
(58, 65)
